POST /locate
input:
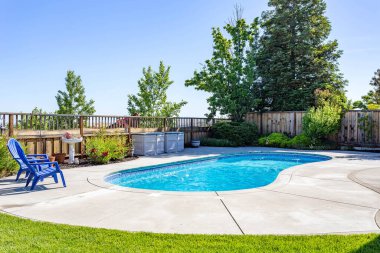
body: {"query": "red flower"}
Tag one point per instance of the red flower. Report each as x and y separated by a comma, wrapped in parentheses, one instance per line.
(93, 150)
(104, 154)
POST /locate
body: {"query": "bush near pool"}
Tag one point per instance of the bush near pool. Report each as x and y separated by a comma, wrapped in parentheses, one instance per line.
(301, 141)
(101, 149)
(237, 133)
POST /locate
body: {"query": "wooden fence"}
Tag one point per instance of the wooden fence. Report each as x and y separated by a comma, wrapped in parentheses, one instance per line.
(42, 133)
(359, 128)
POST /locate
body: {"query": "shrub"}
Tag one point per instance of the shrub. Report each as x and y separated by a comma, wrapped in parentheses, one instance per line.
(238, 133)
(8, 166)
(213, 142)
(301, 141)
(319, 123)
(101, 149)
(274, 140)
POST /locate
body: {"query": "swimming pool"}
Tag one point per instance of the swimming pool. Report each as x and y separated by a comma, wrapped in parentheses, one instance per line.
(220, 173)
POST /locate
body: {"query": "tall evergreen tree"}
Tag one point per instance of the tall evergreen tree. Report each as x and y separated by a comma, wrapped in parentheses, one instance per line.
(73, 100)
(151, 100)
(295, 57)
(230, 75)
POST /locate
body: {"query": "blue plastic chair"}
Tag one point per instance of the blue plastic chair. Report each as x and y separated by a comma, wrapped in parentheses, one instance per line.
(37, 169)
(32, 158)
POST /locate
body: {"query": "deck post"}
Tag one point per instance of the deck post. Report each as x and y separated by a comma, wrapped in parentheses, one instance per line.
(11, 125)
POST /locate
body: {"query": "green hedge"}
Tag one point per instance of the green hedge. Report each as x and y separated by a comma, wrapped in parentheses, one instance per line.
(238, 133)
(301, 141)
(213, 142)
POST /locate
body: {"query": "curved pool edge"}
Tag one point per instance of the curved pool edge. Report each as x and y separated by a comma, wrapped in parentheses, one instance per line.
(281, 180)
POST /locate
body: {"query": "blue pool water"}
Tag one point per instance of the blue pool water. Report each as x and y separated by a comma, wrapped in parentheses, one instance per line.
(222, 173)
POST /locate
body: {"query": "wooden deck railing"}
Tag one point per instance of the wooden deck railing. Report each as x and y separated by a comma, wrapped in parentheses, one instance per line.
(42, 132)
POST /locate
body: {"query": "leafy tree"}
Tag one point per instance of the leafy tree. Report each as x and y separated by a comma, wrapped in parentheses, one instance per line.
(294, 58)
(370, 101)
(230, 75)
(73, 100)
(373, 96)
(359, 105)
(151, 100)
(331, 97)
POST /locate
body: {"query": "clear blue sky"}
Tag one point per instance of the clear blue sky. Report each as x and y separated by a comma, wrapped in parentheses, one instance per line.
(109, 42)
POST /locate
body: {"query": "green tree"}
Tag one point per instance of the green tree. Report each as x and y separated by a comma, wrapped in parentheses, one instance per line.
(230, 75)
(359, 104)
(151, 100)
(331, 97)
(295, 57)
(73, 100)
(373, 96)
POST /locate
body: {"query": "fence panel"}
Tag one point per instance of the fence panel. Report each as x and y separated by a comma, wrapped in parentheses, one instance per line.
(360, 128)
(283, 122)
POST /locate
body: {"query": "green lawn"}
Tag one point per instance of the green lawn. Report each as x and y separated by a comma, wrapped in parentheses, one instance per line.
(20, 235)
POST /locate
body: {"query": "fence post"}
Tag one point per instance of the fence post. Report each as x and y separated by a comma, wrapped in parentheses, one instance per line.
(129, 129)
(294, 123)
(81, 132)
(11, 124)
(165, 124)
(191, 130)
(261, 123)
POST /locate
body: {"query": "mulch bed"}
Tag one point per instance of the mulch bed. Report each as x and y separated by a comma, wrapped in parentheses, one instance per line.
(87, 163)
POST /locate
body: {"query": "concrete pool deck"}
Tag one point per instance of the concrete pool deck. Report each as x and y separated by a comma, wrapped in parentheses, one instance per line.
(341, 195)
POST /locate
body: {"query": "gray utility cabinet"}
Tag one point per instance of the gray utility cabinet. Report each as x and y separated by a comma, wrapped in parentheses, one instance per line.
(174, 142)
(148, 143)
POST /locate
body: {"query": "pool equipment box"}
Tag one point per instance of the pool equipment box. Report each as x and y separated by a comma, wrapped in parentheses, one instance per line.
(174, 142)
(148, 143)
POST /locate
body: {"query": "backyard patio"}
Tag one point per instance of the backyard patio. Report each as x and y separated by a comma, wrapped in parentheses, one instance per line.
(190, 126)
(338, 196)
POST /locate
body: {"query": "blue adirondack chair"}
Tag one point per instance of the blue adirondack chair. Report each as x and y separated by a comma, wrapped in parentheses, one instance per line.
(37, 169)
(31, 158)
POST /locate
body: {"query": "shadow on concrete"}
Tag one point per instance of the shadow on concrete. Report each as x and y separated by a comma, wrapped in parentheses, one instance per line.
(11, 187)
(371, 247)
